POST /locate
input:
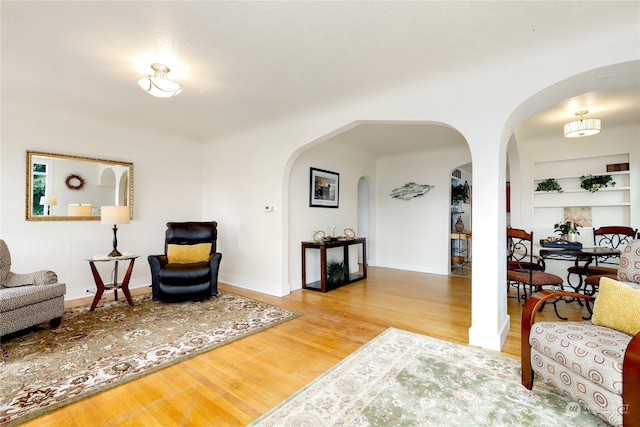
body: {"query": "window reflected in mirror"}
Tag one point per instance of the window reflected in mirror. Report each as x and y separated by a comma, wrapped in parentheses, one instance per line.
(64, 187)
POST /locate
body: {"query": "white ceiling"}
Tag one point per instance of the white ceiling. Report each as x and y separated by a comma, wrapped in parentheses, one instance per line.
(247, 63)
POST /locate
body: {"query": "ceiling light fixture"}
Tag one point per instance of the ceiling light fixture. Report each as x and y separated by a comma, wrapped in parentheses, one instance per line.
(158, 84)
(582, 127)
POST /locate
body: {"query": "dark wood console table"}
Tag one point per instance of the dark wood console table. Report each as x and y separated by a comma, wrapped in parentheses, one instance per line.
(322, 285)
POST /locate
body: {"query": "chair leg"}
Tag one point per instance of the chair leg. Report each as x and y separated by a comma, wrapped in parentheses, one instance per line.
(576, 289)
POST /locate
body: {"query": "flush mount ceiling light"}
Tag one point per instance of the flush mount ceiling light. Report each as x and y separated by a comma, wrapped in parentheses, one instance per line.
(158, 84)
(582, 127)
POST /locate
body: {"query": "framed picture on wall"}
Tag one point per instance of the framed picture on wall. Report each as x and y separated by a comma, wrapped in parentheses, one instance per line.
(324, 188)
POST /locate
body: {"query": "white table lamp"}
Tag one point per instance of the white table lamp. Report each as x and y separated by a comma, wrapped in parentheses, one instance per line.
(48, 201)
(114, 215)
(78, 209)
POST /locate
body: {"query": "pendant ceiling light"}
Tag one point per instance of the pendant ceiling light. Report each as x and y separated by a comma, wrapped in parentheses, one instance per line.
(582, 127)
(158, 84)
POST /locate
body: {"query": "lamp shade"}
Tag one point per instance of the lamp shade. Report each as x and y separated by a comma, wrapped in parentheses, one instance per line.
(159, 84)
(582, 127)
(48, 200)
(78, 210)
(112, 215)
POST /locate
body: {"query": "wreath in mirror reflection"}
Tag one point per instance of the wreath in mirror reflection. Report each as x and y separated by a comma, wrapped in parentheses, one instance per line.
(74, 182)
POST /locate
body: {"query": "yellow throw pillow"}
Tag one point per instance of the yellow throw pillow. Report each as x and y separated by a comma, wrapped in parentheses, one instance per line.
(617, 306)
(186, 254)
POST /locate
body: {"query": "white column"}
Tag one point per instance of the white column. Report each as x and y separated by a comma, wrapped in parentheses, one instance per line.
(489, 318)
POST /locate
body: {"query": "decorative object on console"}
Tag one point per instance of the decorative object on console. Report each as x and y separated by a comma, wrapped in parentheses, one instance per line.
(48, 201)
(318, 236)
(159, 84)
(324, 188)
(410, 190)
(114, 215)
(549, 184)
(582, 127)
(74, 182)
(593, 183)
(349, 233)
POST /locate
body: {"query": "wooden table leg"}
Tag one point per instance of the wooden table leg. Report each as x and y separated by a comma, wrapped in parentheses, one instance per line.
(323, 269)
(304, 267)
(99, 285)
(125, 282)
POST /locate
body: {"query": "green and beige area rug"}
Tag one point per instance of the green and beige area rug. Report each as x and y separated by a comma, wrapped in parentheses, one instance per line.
(95, 350)
(405, 379)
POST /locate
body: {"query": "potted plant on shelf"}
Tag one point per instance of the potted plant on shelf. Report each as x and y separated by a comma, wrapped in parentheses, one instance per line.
(549, 184)
(568, 230)
(460, 192)
(593, 183)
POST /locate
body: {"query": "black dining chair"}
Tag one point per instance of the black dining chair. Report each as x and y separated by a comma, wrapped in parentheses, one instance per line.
(524, 269)
(615, 237)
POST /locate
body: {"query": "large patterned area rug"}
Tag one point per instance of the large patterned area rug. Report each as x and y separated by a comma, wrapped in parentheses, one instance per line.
(405, 379)
(94, 350)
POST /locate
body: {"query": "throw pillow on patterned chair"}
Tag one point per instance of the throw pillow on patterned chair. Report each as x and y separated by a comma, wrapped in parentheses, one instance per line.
(597, 365)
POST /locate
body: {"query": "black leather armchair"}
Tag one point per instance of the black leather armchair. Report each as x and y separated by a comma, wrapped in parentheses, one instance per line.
(184, 280)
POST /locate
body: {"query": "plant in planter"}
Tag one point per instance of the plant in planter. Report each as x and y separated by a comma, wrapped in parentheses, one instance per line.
(549, 185)
(567, 229)
(594, 183)
(337, 272)
(460, 192)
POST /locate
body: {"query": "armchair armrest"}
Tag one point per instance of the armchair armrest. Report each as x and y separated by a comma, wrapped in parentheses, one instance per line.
(214, 264)
(38, 278)
(531, 307)
(631, 383)
(155, 263)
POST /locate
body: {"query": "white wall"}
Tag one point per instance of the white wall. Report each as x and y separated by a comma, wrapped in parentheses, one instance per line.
(414, 234)
(351, 164)
(167, 187)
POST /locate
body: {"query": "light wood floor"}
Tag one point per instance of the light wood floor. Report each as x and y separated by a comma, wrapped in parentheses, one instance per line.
(236, 383)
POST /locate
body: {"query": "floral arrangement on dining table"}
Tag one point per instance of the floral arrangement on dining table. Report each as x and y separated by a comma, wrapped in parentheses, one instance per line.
(565, 229)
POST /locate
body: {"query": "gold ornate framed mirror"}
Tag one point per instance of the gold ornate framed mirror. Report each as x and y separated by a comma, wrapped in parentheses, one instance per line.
(62, 187)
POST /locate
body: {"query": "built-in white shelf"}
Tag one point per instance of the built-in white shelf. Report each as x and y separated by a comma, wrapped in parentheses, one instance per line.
(609, 204)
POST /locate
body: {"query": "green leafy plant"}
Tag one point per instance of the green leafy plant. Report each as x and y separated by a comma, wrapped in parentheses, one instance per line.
(460, 192)
(564, 228)
(549, 185)
(594, 183)
(337, 272)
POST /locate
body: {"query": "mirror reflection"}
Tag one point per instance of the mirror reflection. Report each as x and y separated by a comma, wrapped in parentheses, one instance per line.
(63, 187)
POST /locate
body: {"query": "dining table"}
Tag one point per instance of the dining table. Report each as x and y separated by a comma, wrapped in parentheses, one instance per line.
(581, 257)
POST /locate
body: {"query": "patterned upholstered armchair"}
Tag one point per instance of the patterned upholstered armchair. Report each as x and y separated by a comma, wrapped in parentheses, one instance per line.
(28, 299)
(597, 362)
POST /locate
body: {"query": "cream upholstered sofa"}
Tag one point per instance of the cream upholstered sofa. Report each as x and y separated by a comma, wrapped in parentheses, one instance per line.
(28, 299)
(596, 362)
